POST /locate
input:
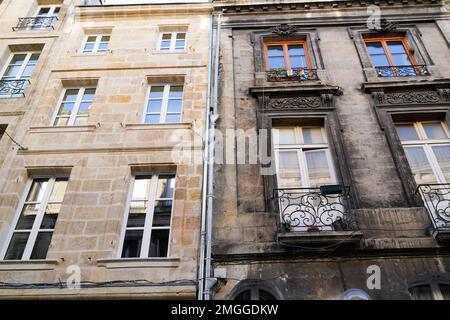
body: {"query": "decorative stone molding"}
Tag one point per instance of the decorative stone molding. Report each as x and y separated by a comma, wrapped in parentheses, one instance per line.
(412, 97)
(284, 29)
(385, 26)
(294, 103)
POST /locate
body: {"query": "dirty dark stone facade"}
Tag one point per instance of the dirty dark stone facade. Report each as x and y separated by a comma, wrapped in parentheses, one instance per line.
(358, 106)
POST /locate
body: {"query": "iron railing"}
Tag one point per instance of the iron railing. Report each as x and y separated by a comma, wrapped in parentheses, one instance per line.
(436, 198)
(35, 23)
(310, 210)
(297, 74)
(402, 71)
(13, 88)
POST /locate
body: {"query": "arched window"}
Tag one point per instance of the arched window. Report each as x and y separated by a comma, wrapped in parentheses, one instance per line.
(254, 290)
(436, 287)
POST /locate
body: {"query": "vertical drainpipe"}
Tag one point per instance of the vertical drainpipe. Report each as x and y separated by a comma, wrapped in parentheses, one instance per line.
(201, 260)
(209, 280)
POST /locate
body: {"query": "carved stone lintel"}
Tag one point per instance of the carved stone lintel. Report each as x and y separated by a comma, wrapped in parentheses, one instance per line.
(412, 97)
(378, 97)
(383, 26)
(290, 103)
(284, 29)
(445, 94)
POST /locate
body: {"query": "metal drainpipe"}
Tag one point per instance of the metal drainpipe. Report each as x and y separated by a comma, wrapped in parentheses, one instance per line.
(209, 281)
(201, 260)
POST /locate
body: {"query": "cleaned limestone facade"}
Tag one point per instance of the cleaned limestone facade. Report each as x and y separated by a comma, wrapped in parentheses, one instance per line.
(101, 156)
(356, 106)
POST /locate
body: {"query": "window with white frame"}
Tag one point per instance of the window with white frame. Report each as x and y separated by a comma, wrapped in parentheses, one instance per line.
(74, 106)
(147, 230)
(35, 222)
(427, 147)
(302, 156)
(48, 13)
(172, 41)
(96, 43)
(164, 104)
(17, 72)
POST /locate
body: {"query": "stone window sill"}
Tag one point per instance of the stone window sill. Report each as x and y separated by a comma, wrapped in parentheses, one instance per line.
(139, 263)
(56, 129)
(27, 265)
(157, 126)
(90, 54)
(169, 52)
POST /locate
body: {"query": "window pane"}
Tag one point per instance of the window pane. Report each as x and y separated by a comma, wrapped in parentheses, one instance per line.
(58, 191)
(132, 244)
(165, 45)
(105, 38)
(84, 108)
(289, 169)
(406, 132)
(44, 10)
(445, 290)
(276, 62)
(152, 118)
(11, 72)
(66, 109)
(17, 246)
(91, 39)
(401, 60)
(81, 121)
(264, 295)
(156, 92)
(140, 188)
(312, 135)
(434, 130)
(103, 46)
(51, 215)
(275, 51)
(37, 190)
(159, 243)
(179, 44)
(88, 47)
(27, 216)
(422, 292)
(375, 48)
(181, 36)
(173, 118)
(70, 95)
(18, 59)
(284, 136)
(154, 106)
(162, 213)
(419, 165)
(176, 92)
(61, 121)
(380, 60)
(41, 245)
(296, 50)
(442, 154)
(396, 47)
(165, 187)
(298, 62)
(136, 217)
(167, 36)
(244, 295)
(174, 106)
(88, 94)
(27, 71)
(318, 170)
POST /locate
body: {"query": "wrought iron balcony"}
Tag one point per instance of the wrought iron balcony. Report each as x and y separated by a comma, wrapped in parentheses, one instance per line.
(315, 209)
(298, 74)
(436, 198)
(13, 88)
(35, 23)
(402, 71)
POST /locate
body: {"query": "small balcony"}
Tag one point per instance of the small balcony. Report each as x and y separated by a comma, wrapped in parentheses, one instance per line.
(402, 71)
(316, 216)
(35, 23)
(436, 198)
(13, 88)
(298, 74)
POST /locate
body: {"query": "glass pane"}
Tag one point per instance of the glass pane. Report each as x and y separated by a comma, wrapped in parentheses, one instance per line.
(103, 46)
(375, 48)
(162, 213)
(132, 244)
(419, 165)
(298, 62)
(176, 92)
(380, 60)
(179, 44)
(167, 36)
(17, 246)
(152, 118)
(289, 169)
(27, 216)
(84, 108)
(396, 47)
(173, 118)
(11, 72)
(105, 38)
(442, 154)
(159, 243)
(275, 51)
(312, 135)
(165, 187)
(318, 171)
(141, 188)
(51, 215)
(165, 45)
(434, 130)
(61, 121)
(81, 121)
(88, 47)
(27, 71)
(156, 92)
(136, 217)
(58, 191)
(91, 39)
(66, 108)
(296, 50)
(406, 132)
(18, 59)
(41, 245)
(401, 59)
(174, 105)
(34, 58)
(154, 106)
(37, 190)
(276, 62)
(422, 293)
(181, 36)
(445, 290)
(88, 94)
(284, 136)
(44, 10)
(70, 95)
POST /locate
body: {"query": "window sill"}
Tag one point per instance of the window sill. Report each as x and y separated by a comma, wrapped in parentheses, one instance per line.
(90, 54)
(320, 238)
(27, 265)
(56, 129)
(169, 52)
(139, 263)
(158, 126)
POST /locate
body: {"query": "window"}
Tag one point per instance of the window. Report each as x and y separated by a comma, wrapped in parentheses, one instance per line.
(432, 289)
(427, 147)
(172, 41)
(164, 104)
(286, 55)
(392, 57)
(46, 15)
(74, 106)
(96, 43)
(302, 157)
(147, 230)
(17, 73)
(34, 227)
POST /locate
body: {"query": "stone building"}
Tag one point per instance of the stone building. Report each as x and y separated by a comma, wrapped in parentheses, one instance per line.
(105, 100)
(353, 99)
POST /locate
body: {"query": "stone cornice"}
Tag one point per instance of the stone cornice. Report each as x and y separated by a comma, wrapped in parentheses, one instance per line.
(369, 87)
(317, 5)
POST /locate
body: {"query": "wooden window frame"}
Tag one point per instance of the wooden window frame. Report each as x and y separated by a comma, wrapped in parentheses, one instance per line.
(383, 41)
(285, 45)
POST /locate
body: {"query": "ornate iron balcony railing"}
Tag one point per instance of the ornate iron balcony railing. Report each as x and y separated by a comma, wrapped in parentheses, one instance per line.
(436, 198)
(35, 23)
(13, 88)
(402, 71)
(297, 74)
(310, 210)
